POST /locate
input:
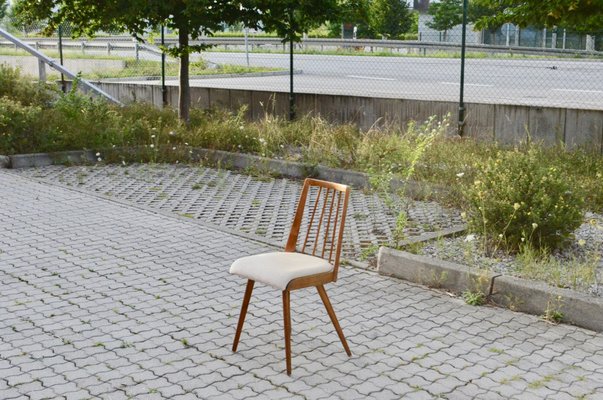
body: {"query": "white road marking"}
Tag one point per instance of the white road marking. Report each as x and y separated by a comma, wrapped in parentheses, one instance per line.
(466, 84)
(374, 78)
(579, 90)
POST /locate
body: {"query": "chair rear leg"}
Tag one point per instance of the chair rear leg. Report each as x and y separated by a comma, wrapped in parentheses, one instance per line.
(287, 317)
(248, 291)
(325, 299)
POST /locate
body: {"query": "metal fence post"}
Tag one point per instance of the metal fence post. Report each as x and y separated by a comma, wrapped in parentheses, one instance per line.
(163, 88)
(291, 93)
(461, 122)
(63, 86)
(41, 71)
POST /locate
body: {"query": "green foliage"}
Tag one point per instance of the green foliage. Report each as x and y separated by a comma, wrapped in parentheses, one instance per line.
(446, 14)
(19, 126)
(474, 298)
(578, 15)
(390, 18)
(290, 18)
(26, 92)
(30, 123)
(3, 8)
(577, 273)
(517, 198)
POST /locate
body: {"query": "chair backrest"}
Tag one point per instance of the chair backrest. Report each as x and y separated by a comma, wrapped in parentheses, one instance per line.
(319, 227)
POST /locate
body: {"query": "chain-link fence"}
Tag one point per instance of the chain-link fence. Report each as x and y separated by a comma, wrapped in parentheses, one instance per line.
(536, 67)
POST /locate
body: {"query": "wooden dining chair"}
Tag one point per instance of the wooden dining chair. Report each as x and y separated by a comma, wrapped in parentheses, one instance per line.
(313, 260)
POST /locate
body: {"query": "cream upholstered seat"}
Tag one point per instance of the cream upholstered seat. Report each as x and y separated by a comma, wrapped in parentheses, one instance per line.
(311, 261)
(277, 269)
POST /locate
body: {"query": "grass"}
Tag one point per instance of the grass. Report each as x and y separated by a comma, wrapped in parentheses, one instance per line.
(135, 68)
(146, 68)
(576, 273)
(38, 119)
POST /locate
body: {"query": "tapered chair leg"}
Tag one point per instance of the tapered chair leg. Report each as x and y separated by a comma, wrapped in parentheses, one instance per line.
(325, 299)
(246, 298)
(287, 317)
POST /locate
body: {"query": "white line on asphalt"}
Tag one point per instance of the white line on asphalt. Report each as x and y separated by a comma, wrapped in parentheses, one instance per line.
(466, 84)
(374, 78)
(579, 90)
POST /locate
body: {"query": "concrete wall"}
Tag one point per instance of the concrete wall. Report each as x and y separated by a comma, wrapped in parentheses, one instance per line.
(506, 124)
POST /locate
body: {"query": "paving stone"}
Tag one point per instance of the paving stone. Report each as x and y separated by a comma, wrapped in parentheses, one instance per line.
(135, 282)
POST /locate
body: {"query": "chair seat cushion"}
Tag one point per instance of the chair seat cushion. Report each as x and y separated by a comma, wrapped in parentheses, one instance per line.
(277, 269)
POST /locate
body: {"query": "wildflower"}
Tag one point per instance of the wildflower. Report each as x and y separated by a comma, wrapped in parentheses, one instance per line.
(460, 174)
(534, 225)
(152, 136)
(500, 235)
(186, 144)
(97, 154)
(581, 242)
(174, 148)
(464, 215)
(99, 159)
(516, 206)
(151, 145)
(171, 133)
(470, 238)
(123, 162)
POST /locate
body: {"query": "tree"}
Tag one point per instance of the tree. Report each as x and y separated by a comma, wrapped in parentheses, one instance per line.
(446, 15)
(579, 15)
(356, 13)
(291, 18)
(3, 8)
(390, 18)
(190, 18)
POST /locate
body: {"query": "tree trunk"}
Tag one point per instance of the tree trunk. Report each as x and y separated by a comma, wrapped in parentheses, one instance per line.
(184, 95)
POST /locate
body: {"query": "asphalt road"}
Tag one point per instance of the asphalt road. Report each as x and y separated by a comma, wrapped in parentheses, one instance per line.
(546, 82)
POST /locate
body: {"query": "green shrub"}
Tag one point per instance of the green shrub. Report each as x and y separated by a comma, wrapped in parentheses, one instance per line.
(23, 90)
(77, 121)
(517, 199)
(20, 126)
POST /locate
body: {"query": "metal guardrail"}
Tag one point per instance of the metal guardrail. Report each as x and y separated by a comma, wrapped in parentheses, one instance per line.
(108, 43)
(45, 60)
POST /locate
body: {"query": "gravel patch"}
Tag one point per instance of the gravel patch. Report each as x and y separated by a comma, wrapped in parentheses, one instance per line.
(585, 249)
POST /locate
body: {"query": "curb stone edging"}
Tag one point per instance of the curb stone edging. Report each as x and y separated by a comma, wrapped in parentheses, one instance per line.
(209, 76)
(4, 161)
(45, 159)
(517, 294)
(291, 169)
(433, 273)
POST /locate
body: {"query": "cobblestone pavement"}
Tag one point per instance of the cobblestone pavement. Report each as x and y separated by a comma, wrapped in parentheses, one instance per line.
(256, 205)
(100, 299)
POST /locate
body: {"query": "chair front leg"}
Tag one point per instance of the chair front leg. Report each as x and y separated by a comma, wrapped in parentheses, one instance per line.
(246, 299)
(325, 299)
(287, 317)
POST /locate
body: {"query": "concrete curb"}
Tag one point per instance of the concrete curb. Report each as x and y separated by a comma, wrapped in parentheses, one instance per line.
(212, 76)
(45, 159)
(4, 161)
(302, 170)
(517, 294)
(236, 161)
(431, 272)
